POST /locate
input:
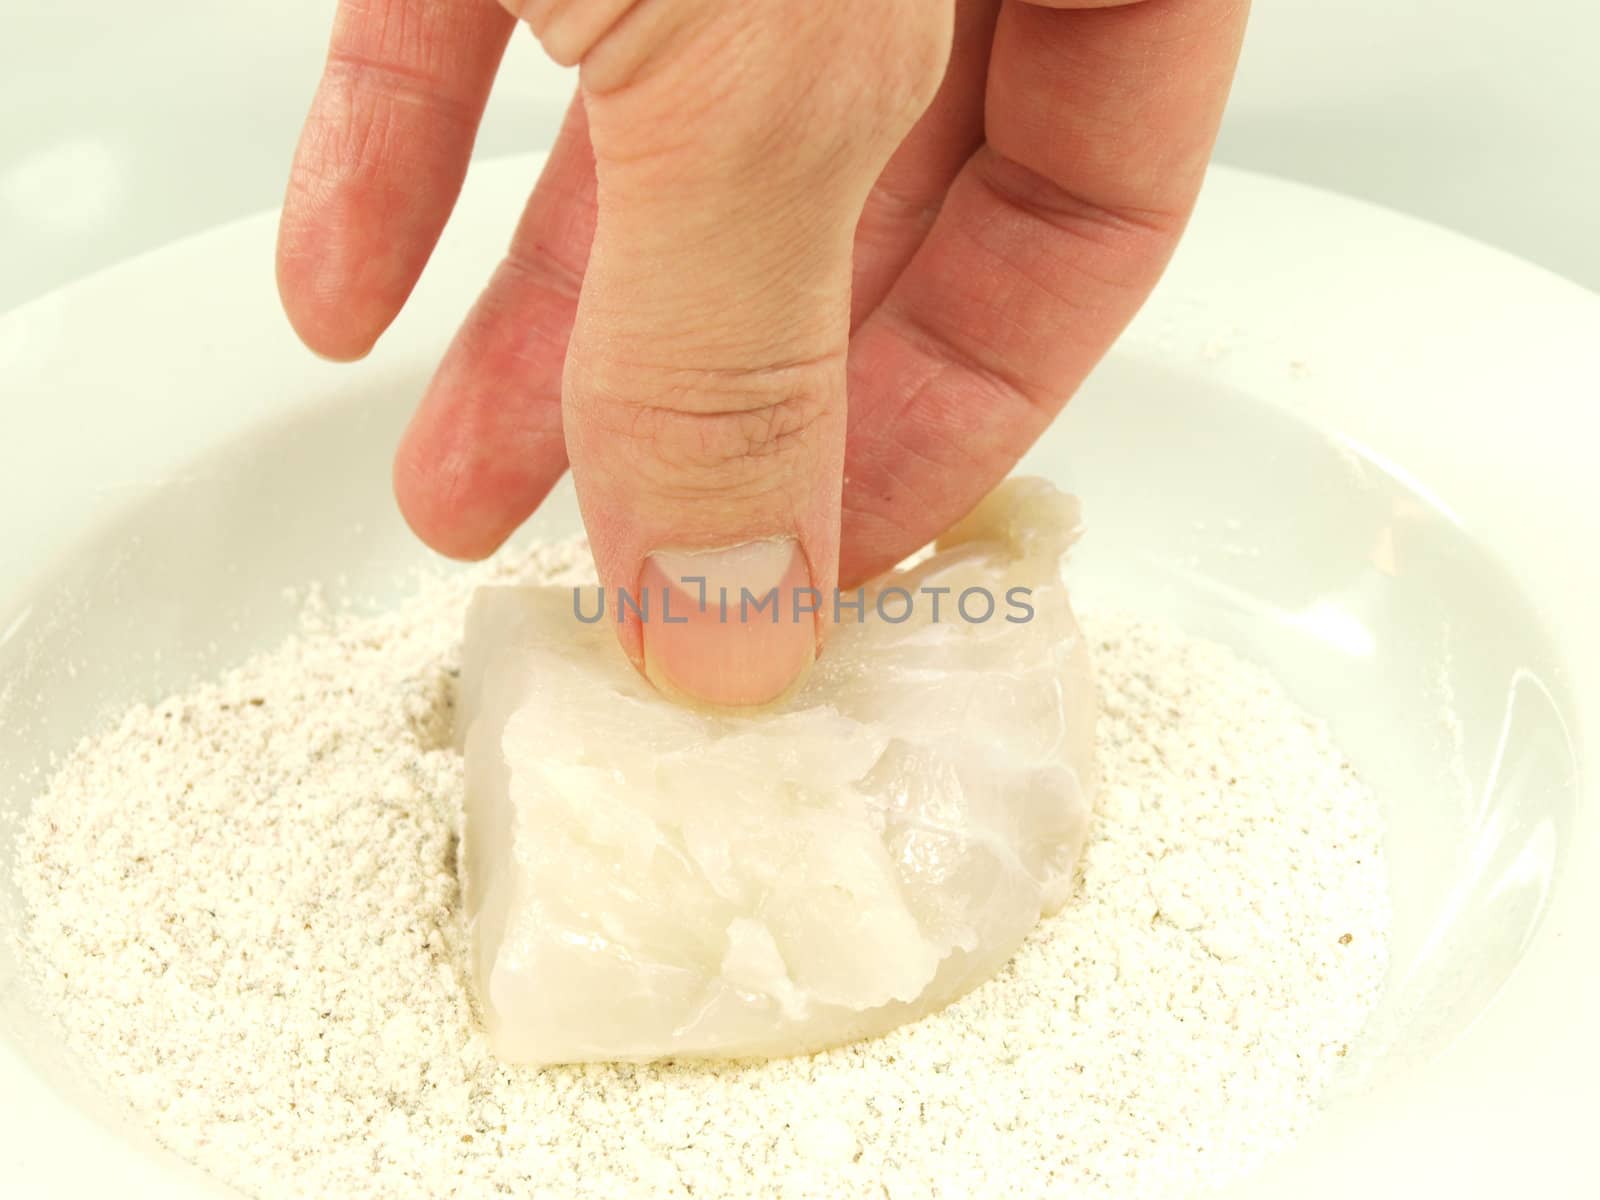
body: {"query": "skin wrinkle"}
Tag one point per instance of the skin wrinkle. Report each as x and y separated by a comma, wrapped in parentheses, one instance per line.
(569, 31)
(648, 37)
(1022, 188)
(919, 207)
(718, 335)
(737, 175)
(1125, 86)
(720, 389)
(539, 267)
(418, 37)
(1143, 259)
(1010, 320)
(708, 446)
(397, 81)
(916, 411)
(938, 345)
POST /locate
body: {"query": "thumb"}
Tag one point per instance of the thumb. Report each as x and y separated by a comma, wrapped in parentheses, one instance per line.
(704, 394)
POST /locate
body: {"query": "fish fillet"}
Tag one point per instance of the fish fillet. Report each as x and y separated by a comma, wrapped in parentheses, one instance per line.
(643, 880)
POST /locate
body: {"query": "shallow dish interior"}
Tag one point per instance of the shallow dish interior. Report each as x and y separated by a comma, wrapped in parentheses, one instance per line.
(1206, 504)
(1365, 598)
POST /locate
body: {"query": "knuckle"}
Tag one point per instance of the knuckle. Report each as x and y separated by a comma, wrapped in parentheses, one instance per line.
(728, 433)
(718, 448)
(370, 116)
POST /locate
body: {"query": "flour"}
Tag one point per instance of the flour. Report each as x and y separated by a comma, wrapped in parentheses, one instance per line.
(243, 913)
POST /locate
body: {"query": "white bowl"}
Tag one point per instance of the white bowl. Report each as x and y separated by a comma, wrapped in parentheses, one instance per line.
(1356, 447)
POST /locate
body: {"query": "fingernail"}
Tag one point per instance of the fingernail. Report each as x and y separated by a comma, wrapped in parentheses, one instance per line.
(734, 627)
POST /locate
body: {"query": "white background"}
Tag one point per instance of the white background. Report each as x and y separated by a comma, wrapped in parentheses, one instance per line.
(125, 126)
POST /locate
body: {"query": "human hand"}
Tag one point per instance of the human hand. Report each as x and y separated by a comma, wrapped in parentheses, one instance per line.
(947, 209)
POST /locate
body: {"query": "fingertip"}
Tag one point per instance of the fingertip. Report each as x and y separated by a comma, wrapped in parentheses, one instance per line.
(464, 487)
(325, 339)
(439, 522)
(336, 312)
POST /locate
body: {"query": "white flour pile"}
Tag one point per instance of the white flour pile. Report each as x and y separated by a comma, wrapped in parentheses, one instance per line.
(243, 912)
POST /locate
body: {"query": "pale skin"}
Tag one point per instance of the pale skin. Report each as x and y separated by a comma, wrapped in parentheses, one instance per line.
(800, 282)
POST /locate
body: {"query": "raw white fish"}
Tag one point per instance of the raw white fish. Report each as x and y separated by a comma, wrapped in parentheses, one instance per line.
(647, 881)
